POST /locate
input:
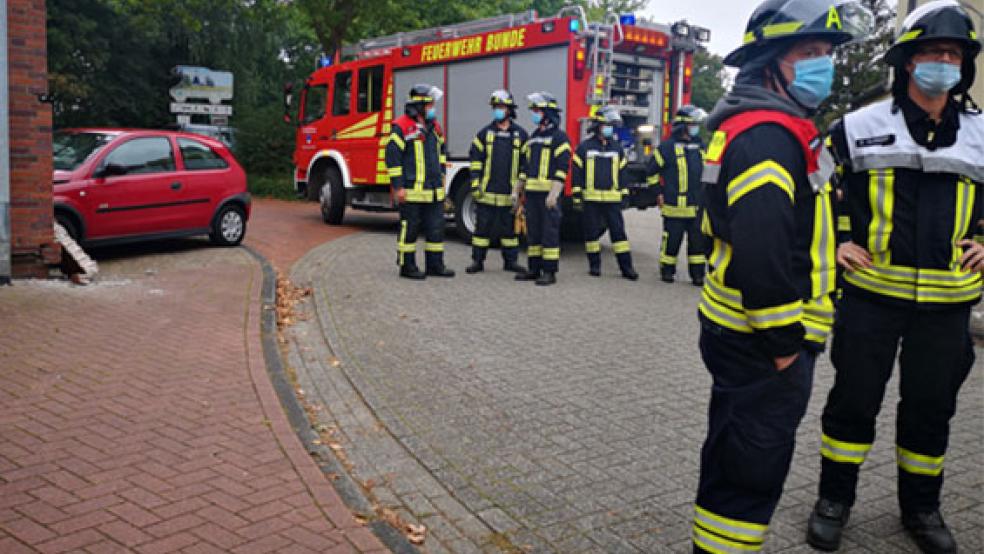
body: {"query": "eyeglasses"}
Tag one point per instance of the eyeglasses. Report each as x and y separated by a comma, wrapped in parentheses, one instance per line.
(939, 53)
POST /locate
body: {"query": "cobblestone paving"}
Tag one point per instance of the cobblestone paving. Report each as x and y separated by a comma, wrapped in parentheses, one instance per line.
(565, 419)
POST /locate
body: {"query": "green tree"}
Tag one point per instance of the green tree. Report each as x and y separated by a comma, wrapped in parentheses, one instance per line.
(860, 74)
(707, 86)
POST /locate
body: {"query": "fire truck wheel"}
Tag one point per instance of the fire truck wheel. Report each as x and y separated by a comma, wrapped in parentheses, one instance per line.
(332, 197)
(465, 213)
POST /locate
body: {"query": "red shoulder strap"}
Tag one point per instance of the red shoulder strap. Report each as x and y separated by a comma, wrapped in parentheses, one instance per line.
(405, 124)
(803, 129)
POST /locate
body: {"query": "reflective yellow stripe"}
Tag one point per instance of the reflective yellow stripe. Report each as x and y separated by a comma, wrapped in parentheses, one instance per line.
(495, 199)
(714, 544)
(594, 195)
(434, 247)
(534, 251)
(577, 161)
(699, 259)
(823, 247)
(621, 247)
(425, 195)
(515, 159)
(561, 174)
(774, 30)
(395, 171)
(921, 286)
(539, 185)
(551, 254)
(764, 173)
(476, 166)
(480, 242)
(418, 155)
(681, 212)
(962, 218)
(566, 147)
(722, 315)
(398, 140)
(843, 451)
(592, 247)
(910, 35)
(776, 316)
(844, 224)
(881, 196)
(478, 144)
(659, 159)
(682, 177)
(728, 527)
(920, 464)
(490, 144)
(401, 242)
(653, 179)
(509, 243)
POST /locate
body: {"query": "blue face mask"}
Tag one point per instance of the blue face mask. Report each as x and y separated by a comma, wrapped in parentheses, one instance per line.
(936, 78)
(814, 81)
(607, 131)
(537, 118)
(498, 114)
(693, 130)
(431, 113)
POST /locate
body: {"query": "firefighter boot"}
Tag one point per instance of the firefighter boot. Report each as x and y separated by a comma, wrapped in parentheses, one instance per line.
(594, 264)
(411, 272)
(547, 278)
(630, 274)
(826, 525)
(666, 275)
(513, 266)
(440, 271)
(930, 532)
(475, 267)
(531, 274)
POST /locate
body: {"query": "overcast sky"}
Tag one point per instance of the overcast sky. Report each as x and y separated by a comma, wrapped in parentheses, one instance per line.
(725, 18)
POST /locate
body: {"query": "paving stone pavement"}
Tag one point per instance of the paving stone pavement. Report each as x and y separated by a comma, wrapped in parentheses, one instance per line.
(562, 419)
(137, 416)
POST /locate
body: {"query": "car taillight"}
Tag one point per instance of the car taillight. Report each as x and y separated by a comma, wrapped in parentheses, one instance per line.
(579, 64)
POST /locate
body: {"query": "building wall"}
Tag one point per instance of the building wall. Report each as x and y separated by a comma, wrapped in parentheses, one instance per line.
(905, 6)
(32, 237)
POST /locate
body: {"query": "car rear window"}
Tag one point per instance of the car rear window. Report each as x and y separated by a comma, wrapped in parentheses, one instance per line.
(198, 156)
(71, 149)
(143, 155)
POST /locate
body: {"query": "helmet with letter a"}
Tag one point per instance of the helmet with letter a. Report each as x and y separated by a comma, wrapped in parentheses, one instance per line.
(940, 20)
(776, 24)
(419, 97)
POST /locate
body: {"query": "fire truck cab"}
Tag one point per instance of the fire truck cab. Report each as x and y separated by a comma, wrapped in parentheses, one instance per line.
(346, 108)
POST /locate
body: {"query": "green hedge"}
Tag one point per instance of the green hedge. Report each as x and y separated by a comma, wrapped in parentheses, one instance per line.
(272, 186)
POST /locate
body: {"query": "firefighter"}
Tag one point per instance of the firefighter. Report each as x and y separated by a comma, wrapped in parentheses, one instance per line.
(598, 184)
(766, 310)
(679, 161)
(547, 155)
(415, 158)
(912, 165)
(496, 155)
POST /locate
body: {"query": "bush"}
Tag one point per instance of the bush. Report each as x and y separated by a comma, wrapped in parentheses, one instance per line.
(272, 186)
(264, 143)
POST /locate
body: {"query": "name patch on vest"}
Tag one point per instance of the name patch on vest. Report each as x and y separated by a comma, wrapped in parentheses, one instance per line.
(883, 140)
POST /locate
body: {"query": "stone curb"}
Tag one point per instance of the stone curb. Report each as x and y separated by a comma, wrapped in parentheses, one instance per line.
(327, 462)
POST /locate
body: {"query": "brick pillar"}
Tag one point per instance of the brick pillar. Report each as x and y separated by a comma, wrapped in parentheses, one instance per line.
(32, 237)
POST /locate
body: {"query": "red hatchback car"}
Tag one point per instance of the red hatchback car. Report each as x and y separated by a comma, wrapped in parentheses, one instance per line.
(121, 185)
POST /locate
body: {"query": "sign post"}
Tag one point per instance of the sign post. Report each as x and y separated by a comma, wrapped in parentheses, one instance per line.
(200, 92)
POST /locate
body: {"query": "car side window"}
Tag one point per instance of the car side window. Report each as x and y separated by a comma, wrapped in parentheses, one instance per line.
(198, 156)
(315, 101)
(143, 155)
(342, 104)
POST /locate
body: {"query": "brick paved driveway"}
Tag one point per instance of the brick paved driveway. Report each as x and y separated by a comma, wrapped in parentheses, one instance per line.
(137, 415)
(565, 419)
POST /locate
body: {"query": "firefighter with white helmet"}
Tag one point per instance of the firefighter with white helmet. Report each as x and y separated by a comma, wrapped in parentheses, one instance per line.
(415, 160)
(496, 158)
(547, 156)
(913, 175)
(766, 310)
(598, 186)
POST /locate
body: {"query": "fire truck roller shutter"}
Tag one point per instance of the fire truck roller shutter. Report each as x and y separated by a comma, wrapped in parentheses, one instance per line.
(405, 79)
(469, 85)
(534, 71)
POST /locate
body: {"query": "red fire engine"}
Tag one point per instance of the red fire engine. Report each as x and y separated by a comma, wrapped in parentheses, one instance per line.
(346, 108)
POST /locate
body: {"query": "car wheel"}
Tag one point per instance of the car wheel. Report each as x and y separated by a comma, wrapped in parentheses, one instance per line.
(332, 196)
(229, 226)
(68, 223)
(465, 213)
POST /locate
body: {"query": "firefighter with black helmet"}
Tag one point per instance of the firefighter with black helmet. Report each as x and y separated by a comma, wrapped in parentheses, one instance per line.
(496, 158)
(675, 169)
(766, 307)
(547, 156)
(415, 160)
(913, 175)
(598, 186)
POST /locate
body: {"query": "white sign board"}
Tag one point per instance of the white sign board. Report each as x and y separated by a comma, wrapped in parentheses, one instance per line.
(202, 83)
(201, 109)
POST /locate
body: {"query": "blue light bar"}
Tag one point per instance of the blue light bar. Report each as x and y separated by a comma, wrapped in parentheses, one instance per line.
(324, 60)
(627, 19)
(575, 25)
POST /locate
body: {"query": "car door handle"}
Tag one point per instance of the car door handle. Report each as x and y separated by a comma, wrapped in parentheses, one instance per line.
(176, 185)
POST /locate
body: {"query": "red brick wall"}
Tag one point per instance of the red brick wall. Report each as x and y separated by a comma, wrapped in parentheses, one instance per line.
(30, 140)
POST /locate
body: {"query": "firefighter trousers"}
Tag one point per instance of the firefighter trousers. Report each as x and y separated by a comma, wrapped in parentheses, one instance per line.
(674, 228)
(413, 217)
(753, 415)
(597, 214)
(495, 222)
(542, 233)
(935, 358)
